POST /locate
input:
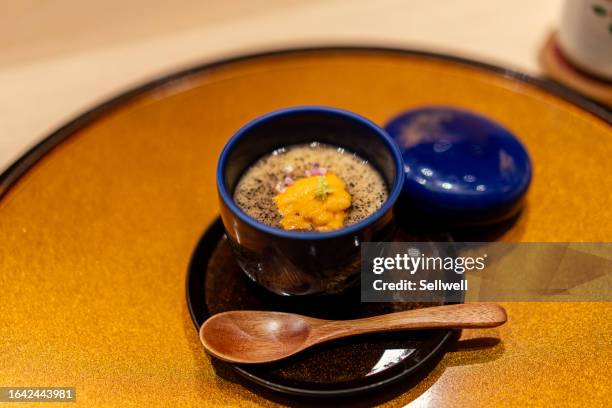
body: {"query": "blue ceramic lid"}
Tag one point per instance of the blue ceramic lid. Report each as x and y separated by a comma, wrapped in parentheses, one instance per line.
(461, 168)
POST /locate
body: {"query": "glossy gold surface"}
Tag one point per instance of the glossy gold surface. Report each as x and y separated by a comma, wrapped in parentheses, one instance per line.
(95, 240)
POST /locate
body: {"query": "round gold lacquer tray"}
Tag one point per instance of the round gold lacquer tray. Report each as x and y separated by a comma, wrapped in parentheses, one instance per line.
(96, 232)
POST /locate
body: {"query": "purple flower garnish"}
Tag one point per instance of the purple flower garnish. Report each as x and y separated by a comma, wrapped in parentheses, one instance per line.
(316, 170)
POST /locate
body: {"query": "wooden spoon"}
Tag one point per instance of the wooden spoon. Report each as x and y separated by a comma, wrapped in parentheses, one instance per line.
(246, 336)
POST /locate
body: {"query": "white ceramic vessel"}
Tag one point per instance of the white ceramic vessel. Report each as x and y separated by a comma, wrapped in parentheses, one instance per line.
(585, 35)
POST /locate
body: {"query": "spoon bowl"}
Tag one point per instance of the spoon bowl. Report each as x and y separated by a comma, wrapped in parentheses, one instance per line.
(249, 337)
(233, 336)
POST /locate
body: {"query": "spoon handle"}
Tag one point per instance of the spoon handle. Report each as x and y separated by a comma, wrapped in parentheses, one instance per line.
(460, 316)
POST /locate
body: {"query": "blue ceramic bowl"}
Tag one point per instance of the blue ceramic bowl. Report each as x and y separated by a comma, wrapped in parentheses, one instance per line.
(301, 263)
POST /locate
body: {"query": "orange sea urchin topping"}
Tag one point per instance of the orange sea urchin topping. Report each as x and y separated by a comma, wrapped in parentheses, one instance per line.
(314, 203)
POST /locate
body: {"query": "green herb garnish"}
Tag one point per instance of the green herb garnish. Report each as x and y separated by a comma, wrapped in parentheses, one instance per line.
(323, 188)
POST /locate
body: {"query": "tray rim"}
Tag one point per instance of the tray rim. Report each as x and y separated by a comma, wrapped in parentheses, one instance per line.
(31, 157)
